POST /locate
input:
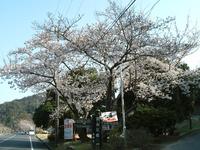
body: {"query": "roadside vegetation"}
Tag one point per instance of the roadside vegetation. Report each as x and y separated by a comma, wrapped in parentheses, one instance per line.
(4, 129)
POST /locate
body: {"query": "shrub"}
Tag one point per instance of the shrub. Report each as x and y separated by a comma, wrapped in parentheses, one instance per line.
(117, 143)
(51, 137)
(159, 121)
(115, 139)
(134, 139)
(138, 138)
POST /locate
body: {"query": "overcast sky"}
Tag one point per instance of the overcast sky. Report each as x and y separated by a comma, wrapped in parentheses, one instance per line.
(17, 18)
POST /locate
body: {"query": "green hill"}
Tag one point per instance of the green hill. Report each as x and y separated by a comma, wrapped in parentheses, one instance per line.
(11, 113)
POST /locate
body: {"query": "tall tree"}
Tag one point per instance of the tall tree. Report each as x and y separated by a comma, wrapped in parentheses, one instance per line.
(131, 37)
(47, 61)
(59, 47)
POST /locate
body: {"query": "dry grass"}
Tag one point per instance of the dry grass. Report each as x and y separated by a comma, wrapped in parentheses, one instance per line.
(43, 137)
(4, 129)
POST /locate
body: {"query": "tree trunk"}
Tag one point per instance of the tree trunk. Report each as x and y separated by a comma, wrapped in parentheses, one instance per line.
(75, 111)
(110, 92)
(82, 132)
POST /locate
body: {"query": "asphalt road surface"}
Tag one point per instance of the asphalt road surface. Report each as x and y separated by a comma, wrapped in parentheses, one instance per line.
(20, 142)
(191, 142)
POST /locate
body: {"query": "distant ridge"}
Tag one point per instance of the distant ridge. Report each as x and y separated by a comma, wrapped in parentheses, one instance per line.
(20, 109)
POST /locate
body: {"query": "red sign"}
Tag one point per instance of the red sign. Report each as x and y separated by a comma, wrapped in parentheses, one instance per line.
(110, 116)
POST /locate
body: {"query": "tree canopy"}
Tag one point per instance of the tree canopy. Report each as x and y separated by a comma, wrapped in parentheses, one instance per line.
(60, 55)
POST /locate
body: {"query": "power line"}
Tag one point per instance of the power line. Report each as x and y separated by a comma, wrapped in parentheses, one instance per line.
(122, 13)
(115, 21)
(58, 5)
(149, 12)
(65, 11)
(79, 8)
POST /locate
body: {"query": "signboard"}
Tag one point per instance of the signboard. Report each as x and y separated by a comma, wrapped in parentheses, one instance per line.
(106, 126)
(109, 117)
(83, 123)
(68, 129)
(96, 132)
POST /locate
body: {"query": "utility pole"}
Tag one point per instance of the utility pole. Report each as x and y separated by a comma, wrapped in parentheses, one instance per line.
(57, 93)
(123, 109)
(58, 106)
(57, 116)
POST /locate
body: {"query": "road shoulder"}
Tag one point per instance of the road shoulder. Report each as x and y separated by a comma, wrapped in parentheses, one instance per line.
(44, 140)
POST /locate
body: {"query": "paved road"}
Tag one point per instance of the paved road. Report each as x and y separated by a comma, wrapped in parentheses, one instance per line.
(191, 142)
(20, 142)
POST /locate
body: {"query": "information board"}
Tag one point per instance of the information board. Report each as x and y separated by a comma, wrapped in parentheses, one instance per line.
(68, 129)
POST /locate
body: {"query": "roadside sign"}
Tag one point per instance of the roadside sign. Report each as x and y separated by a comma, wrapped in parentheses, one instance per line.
(107, 126)
(96, 132)
(68, 129)
(110, 116)
(83, 123)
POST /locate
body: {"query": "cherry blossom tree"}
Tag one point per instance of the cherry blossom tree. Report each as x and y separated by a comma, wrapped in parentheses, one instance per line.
(59, 48)
(46, 62)
(116, 41)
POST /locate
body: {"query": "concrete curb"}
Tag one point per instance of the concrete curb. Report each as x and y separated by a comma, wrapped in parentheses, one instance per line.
(45, 143)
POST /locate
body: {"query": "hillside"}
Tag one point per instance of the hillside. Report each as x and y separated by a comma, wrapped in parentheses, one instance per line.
(11, 113)
(4, 129)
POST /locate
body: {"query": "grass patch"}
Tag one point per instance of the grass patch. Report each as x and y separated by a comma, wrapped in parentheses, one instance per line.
(76, 145)
(183, 127)
(79, 146)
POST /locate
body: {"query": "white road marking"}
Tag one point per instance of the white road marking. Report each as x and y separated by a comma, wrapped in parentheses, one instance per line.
(7, 138)
(31, 143)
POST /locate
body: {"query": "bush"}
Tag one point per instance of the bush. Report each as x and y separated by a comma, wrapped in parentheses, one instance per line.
(134, 139)
(115, 139)
(138, 138)
(117, 143)
(51, 137)
(159, 121)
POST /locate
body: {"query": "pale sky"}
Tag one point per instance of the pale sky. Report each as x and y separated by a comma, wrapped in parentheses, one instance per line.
(17, 18)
